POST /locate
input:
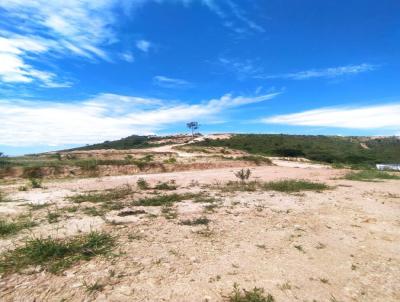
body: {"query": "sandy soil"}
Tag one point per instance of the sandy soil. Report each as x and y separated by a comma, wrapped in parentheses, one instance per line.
(337, 245)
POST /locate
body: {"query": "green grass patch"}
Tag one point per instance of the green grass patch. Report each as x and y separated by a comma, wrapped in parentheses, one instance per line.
(161, 200)
(56, 255)
(110, 195)
(8, 228)
(290, 186)
(370, 175)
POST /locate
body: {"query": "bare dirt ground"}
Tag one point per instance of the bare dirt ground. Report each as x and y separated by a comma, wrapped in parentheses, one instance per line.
(342, 244)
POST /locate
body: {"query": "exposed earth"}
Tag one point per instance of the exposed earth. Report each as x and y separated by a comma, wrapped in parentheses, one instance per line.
(340, 244)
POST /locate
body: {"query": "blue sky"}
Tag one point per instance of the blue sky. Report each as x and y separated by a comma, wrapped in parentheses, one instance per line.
(76, 72)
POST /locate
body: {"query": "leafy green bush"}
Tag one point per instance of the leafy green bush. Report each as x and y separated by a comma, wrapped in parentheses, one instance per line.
(36, 183)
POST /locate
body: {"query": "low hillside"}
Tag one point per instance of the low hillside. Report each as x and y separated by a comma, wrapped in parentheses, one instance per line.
(330, 149)
(130, 142)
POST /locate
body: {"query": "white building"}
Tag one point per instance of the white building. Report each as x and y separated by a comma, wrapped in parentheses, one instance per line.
(382, 167)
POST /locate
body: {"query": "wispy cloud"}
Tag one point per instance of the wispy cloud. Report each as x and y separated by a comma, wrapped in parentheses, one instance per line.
(233, 16)
(167, 82)
(104, 117)
(242, 68)
(363, 117)
(143, 45)
(128, 57)
(37, 28)
(331, 72)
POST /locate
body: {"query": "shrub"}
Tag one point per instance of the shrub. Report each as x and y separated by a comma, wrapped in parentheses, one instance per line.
(289, 152)
(52, 217)
(35, 182)
(142, 184)
(255, 295)
(197, 221)
(55, 255)
(171, 160)
(165, 186)
(243, 174)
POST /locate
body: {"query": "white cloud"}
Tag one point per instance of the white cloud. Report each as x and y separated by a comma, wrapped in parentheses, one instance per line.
(128, 57)
(324, 73)
(233, 16)
(167, 82)
(77, 27)
(39, 29)
(143, 45)
(104, 117)
(367, 117)
(242, 68)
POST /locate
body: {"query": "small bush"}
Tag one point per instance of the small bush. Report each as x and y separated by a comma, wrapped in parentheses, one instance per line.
(165, 186)
(197, 221)
(171, 160)
(255, 295)
(142, 184)
(370, 175)
(55, 255)
(52, 217)
(36, 183)
(243, 174)
(294, 186)
(95, 287)
(169, 212)
(93, 211)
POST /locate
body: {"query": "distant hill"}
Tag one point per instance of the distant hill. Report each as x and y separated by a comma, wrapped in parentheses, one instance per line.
(136, 142)
(329, 149)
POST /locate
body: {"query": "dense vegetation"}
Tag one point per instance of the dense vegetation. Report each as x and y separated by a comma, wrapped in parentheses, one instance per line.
(329, 149)
(133, 141)
(130, 142)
